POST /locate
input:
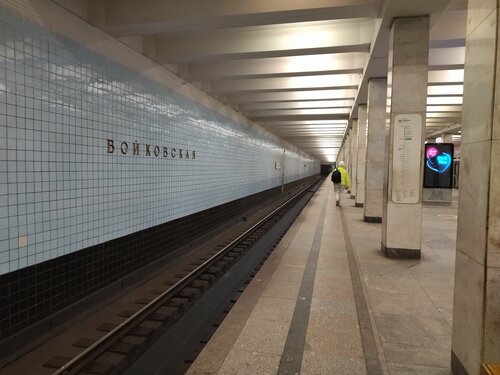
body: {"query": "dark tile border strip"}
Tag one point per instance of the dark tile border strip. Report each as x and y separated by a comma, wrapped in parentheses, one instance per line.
(291, 357)
(372, 360)
(33, 294)
(359, 205)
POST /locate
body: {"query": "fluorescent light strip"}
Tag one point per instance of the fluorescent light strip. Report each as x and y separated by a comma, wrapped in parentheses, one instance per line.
(444, 100)
(444, 90)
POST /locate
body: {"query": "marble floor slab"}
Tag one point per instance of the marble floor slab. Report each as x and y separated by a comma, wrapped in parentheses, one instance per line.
(410, 302)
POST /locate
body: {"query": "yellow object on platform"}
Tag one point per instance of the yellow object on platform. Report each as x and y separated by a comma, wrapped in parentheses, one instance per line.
(490, 369)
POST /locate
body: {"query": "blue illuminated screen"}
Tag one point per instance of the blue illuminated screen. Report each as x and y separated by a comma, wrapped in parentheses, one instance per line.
(438, 169)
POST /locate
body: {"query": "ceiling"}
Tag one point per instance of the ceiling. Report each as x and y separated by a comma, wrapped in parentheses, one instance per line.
(298, 68)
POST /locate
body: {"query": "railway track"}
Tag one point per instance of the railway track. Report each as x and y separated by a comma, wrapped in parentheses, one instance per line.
(183, 315)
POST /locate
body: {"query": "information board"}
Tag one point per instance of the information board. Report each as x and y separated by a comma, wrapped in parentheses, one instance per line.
(438, 167)
(407, 146)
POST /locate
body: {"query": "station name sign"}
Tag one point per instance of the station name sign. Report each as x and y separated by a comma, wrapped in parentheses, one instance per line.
(137, 149)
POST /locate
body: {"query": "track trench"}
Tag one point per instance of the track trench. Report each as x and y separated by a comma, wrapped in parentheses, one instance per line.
(173, 322)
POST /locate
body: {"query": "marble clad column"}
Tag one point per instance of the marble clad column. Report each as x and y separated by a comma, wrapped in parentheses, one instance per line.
(342, 153)
(361, 162)
(476, 310)
(347, 160)
(354, 156)
(347, 146)
(447, 138)
(407, 82)
(375, 150)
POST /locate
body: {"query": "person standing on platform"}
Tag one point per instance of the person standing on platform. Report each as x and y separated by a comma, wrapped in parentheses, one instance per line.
(341, 181)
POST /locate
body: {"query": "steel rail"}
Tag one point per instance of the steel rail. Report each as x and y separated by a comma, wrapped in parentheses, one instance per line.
(100, 346)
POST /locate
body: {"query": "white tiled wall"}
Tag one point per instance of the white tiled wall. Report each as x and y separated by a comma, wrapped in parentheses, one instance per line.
(60, 188)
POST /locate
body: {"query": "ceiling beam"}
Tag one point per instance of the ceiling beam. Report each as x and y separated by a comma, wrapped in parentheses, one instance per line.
(448, 129)
(341, 123)
(378, 62)
(252, 97)
(313, 117)
(299, 112)
(338, 103)
(258, 42)
(278, 66)
(292, 83)
(446, 57)
(146, 17)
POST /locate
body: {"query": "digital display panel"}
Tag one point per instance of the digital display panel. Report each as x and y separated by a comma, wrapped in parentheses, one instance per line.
(438, 169)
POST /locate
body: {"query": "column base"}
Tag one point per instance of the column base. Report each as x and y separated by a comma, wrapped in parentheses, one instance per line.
(372, 219)
(456, 366)
(391, 252)
(358, 204)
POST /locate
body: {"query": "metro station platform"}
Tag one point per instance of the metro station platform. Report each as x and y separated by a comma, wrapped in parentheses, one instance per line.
(327, 301)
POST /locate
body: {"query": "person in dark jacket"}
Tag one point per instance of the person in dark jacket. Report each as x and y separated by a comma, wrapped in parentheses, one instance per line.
(344, 182)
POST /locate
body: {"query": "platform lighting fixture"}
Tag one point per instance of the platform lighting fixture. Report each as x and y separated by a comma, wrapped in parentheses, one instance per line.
(324, 94)
(325, 80)
(445, 90)
(322, 133)
(330, 158)
(444, 115)
(338, 103)
(325, 127)
(320, 33)
(322, 122)
(333, 133)
(329, 144)
(325, 62)
(443, 108)
(320, 111)
(452, 75)
(444, 100)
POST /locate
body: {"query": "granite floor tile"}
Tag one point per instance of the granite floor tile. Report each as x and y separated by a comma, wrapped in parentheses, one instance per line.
(289, 273)
(263, 336)
(315, 363)
(414, 303)
(335, 334)
(244, 362)
(274, 309)
(281, 289)
(415, 331)
(412, 300)
(417, 356)
(397, 369)
(334, 306)
(332, 288)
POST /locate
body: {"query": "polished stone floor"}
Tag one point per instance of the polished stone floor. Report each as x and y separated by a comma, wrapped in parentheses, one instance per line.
(328, 302)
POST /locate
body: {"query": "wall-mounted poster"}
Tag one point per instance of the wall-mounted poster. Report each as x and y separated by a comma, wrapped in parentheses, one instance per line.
(407, 152)
(438, 168)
